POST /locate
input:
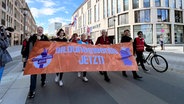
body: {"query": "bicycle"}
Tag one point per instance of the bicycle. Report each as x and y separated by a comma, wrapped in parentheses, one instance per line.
(158, 62)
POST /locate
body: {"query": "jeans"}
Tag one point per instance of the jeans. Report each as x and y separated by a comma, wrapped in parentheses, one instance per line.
(33, 81)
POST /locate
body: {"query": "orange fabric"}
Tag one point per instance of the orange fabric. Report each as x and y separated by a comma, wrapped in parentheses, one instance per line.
(73, 57)
(139, 44)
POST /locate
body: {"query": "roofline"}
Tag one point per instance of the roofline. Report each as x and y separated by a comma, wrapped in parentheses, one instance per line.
(79, 7)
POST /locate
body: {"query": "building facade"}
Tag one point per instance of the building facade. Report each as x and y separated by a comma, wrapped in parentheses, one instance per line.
(156, 18)
(53, 28)
(13, 15)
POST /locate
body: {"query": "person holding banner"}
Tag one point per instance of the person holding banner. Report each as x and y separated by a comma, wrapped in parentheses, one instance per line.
(60, 38)
(83, 41)
(138, 45)
(74, 38)
(104, 40)
(32, 40)
(126, 38)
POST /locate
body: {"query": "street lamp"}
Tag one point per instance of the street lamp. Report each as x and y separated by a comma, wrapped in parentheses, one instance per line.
(114, 17)
(25, 10)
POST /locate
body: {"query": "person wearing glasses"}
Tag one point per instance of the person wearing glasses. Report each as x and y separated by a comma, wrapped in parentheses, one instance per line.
(139, 44)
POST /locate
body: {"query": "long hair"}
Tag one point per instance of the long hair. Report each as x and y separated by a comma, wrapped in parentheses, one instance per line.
(58, 33)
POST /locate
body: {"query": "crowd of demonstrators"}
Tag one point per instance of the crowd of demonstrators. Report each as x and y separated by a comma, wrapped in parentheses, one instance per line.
(138, 47)
(61, 37)
(126, 38)
(39, 36)
(103, 40)
(4, 55)
(23, 50)
(139, 44)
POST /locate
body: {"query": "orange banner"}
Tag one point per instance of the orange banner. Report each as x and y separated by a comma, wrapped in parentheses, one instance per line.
(53, 57)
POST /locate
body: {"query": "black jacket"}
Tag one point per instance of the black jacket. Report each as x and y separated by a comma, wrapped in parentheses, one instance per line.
(32, 41)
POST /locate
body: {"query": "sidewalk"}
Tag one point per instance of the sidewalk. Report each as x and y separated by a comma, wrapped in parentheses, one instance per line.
(171, 49)
(14, 86)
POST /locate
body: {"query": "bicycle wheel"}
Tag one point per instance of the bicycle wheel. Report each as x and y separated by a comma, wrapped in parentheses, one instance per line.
(159, 63)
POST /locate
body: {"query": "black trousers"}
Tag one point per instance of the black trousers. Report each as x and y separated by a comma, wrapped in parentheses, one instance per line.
(140, 59)
(33, 81)
(61, 75)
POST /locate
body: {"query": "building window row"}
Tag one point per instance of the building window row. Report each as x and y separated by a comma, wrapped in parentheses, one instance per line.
(142, 16)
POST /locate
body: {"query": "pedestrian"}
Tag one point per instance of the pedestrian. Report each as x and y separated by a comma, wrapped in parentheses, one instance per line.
(74, 38)
(32, 40)
(60, 38)
(89, 40)
(23, 51)
(103, 40)
(83, 41)
(4, 54)
(126, 38)
(161, 43)
(138, 45)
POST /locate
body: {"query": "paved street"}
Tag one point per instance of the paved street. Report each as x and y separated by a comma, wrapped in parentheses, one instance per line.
(153, 88)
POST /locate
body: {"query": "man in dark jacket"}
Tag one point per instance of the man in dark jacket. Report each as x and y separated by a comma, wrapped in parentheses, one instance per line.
(126, 38)
(32, 40)
(104, 40)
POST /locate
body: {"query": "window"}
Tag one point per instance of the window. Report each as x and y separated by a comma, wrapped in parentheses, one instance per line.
(164, 30)
(95, 13)
(167, 3)
(89, 4)
(178, 34)
(135, 4)
(113, 9)
(108, 8)
(163, 15)
(146, 3)
(180, 4)
(157, 3)
(123, 19)
(119, 6)
(104, 8)
(125, 5)
(111, 22)
(4, 4)
(147, 32)
(142, 16)
(89, 16)
(178, 16)
(174, 3)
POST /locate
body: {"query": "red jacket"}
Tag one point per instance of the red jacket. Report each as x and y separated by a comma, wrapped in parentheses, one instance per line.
(102, 40)
(139, 44)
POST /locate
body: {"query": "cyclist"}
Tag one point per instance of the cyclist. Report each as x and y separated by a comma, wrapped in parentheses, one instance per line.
(138, 45)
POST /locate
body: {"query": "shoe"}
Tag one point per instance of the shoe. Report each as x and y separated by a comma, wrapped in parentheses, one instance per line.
(31, 94)
(79, 74)
(107, 79)
(124, 74)
(43, 84)
(137, 77)
(146, 70)
(60, 83)
(57, 78)
(85, 79)
(101, 73)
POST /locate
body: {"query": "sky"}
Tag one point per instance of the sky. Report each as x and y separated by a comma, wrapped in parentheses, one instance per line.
(49, 11)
